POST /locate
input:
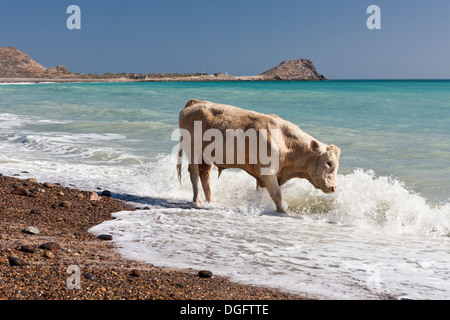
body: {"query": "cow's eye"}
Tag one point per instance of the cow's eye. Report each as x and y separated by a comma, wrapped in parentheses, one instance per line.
(329, 164)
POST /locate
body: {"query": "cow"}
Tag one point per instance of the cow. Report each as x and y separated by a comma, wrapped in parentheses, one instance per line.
(298, 155)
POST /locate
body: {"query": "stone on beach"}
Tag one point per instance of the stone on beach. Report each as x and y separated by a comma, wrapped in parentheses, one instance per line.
(15, 261)
(65, 204)
(136, 273)
(90, 276)
(20, 192)
(91, 195)
(28, 248)
(106, 237)
(51, 246)
(31, 230)
(49, 254)
(205, 274)
(48, 185)
(106, 193)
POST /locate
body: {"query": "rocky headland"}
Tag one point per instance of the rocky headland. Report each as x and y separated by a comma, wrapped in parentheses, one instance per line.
(17, 66)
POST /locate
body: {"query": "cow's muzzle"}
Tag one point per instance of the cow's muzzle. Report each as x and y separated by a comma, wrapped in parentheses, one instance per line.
(329, 190)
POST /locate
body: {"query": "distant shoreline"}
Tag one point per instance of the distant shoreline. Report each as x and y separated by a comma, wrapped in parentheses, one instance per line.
(183, 79)
(203, 78)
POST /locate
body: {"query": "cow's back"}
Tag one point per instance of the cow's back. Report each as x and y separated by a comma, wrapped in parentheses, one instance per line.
(222, 117)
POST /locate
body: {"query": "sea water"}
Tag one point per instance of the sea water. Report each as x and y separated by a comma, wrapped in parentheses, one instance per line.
(386, 231)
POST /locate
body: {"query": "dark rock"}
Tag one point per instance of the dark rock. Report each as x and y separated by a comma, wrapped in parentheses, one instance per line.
(35, 211)
(90, 276)
(14, 261)
(106, 237)
(20, 192)
(106, 193)
(51, 246)
(205, 274)
(28, 248)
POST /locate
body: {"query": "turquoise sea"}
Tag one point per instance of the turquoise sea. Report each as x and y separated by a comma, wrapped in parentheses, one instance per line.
(385, 231)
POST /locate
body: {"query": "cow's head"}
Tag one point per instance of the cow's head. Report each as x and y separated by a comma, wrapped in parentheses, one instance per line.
(325, 168)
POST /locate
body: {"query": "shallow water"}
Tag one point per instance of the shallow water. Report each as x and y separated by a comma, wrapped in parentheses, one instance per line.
(386, 229)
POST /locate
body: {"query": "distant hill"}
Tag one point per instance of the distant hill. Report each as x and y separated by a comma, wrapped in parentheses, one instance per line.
(291, 70)
(14, 62)
(17, 64)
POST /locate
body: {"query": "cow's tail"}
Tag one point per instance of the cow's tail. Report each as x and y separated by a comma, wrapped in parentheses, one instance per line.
(180, 152)
(179, 162)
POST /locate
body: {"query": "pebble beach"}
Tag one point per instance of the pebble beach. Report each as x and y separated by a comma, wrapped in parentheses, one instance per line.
(46, 253)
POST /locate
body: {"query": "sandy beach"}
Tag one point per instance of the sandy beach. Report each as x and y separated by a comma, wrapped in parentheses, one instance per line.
(33, 269)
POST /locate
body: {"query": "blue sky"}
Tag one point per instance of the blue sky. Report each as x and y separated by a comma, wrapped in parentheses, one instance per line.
(243, 37)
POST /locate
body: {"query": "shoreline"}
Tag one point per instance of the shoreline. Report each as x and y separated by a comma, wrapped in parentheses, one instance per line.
(202, 78)
(63, 215)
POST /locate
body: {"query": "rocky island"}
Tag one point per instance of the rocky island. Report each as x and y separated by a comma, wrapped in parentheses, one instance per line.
(17, 66)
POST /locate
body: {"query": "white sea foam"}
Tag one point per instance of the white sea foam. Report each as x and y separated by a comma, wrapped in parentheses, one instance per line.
(352, 244)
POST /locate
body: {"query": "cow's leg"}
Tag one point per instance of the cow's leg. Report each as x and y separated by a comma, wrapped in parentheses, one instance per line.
(194, 174)
(271, 183)
(259, 184)
(205, 177)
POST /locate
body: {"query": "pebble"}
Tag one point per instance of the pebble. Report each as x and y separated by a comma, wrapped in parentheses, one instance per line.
(14, 261)
(28, 248)
(106, 237)
(90, 276)
(65, 204)
(51, 246)
(48, 185)
(90, 195)
(32, 180)
(31, 230)
(48, 254)
(106, 193)
(205, 274)
(136, 273)
(20, 192)
(35, 211)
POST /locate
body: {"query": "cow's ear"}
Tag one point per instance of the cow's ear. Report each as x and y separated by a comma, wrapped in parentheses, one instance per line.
(315, 146)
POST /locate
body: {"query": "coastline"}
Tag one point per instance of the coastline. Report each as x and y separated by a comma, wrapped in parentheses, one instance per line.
(163, 78)
(201, 78)
(63, 215)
